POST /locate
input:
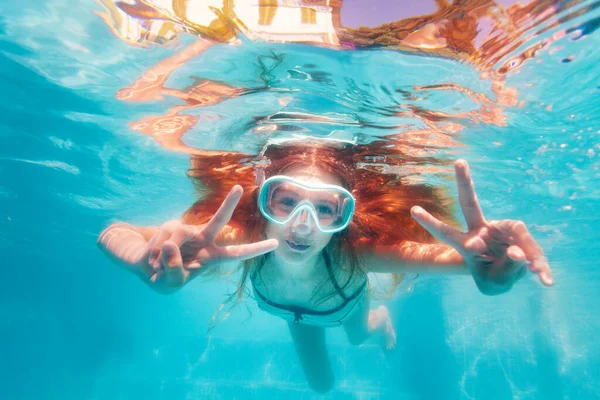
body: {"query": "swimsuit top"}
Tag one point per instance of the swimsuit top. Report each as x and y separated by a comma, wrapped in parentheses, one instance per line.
(332, 317)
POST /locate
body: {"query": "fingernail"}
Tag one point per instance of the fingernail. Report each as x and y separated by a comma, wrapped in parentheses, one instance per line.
(547, 278)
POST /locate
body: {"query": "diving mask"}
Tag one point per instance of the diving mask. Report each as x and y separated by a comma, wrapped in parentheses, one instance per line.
(283, 198)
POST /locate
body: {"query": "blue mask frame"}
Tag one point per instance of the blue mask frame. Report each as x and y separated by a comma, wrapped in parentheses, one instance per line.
(306, 205)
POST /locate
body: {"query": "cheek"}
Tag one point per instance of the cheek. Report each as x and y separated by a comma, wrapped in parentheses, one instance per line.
(273, 231)
(323, 240)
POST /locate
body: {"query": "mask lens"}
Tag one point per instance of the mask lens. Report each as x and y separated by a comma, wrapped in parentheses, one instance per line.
(282, 201)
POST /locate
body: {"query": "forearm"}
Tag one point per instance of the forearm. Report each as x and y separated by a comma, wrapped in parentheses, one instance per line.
(419, 258)
(125, 244)
(435, 258)
(425, 254)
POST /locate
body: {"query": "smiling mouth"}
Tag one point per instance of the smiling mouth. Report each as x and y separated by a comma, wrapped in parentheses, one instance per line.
(297, 247)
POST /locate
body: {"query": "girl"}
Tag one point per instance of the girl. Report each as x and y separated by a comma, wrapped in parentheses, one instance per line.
(309, 219)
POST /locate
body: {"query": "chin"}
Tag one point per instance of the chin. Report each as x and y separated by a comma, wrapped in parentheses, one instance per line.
(294, 257)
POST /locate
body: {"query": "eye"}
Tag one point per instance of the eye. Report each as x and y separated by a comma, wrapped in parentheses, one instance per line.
(325, 209)
(287, 201)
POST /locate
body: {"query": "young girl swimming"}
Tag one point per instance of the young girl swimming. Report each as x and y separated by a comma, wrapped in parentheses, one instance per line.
(309, 219)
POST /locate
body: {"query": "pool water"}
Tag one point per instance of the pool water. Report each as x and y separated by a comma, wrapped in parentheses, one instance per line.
(76, 155)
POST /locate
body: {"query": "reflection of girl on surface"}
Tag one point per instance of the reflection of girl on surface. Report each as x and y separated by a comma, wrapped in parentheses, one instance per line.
(448, 32)
(309, 219)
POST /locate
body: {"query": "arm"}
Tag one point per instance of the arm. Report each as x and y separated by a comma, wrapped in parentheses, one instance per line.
(141, 250)
(126, 245)
(496, 253)
(168, 257)
(136, 249)
(424, 258)
(417, 258)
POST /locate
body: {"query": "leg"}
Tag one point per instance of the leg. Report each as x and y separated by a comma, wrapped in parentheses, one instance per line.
(363, 322)
(356, 325)
(312, 352)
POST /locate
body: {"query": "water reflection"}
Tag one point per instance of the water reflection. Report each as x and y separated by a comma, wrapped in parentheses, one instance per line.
(169, 128)
(479, 31)
(492, 38)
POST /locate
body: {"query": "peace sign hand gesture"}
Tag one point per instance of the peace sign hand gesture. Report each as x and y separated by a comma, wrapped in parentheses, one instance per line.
(178, 253)
(496, 252)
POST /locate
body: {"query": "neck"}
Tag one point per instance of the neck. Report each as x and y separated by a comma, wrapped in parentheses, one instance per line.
(310, 268)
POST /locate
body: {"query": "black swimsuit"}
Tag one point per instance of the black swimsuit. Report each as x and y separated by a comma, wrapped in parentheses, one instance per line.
(333, 317)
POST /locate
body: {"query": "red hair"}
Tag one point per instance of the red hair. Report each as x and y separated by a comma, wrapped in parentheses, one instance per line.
(381, 178)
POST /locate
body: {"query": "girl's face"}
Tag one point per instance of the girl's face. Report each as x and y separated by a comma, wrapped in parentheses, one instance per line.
(300, 240)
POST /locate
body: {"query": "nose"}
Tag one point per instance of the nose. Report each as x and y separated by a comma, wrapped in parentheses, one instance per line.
(302, 223)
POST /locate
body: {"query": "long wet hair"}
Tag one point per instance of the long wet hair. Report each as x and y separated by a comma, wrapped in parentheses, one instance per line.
(381, 179)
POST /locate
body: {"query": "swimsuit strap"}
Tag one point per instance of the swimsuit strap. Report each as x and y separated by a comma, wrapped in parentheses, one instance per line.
(303, 310)
(327, 259)
(336, 285)
(300, 311)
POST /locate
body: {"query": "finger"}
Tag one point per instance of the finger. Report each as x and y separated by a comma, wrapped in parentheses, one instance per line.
(182, 234)
(224, 213)
(506, 270)
(173, 264)
(156, 244)
(437, 228)
(245, 251)
(515, 253)
(533, 252)
(467, 196)
(194, 265)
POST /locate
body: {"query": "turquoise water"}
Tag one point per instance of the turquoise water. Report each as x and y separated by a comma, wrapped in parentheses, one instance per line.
(75, 326)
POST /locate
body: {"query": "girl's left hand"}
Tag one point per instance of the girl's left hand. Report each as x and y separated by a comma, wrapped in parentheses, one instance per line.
(497, 253)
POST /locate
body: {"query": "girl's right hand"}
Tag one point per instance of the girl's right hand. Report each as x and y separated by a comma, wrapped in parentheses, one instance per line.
(177, 253)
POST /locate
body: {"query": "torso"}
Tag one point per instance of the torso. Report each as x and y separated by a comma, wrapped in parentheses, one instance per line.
(311, 291)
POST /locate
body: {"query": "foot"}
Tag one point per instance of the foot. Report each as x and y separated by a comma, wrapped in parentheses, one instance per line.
(380, 324)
